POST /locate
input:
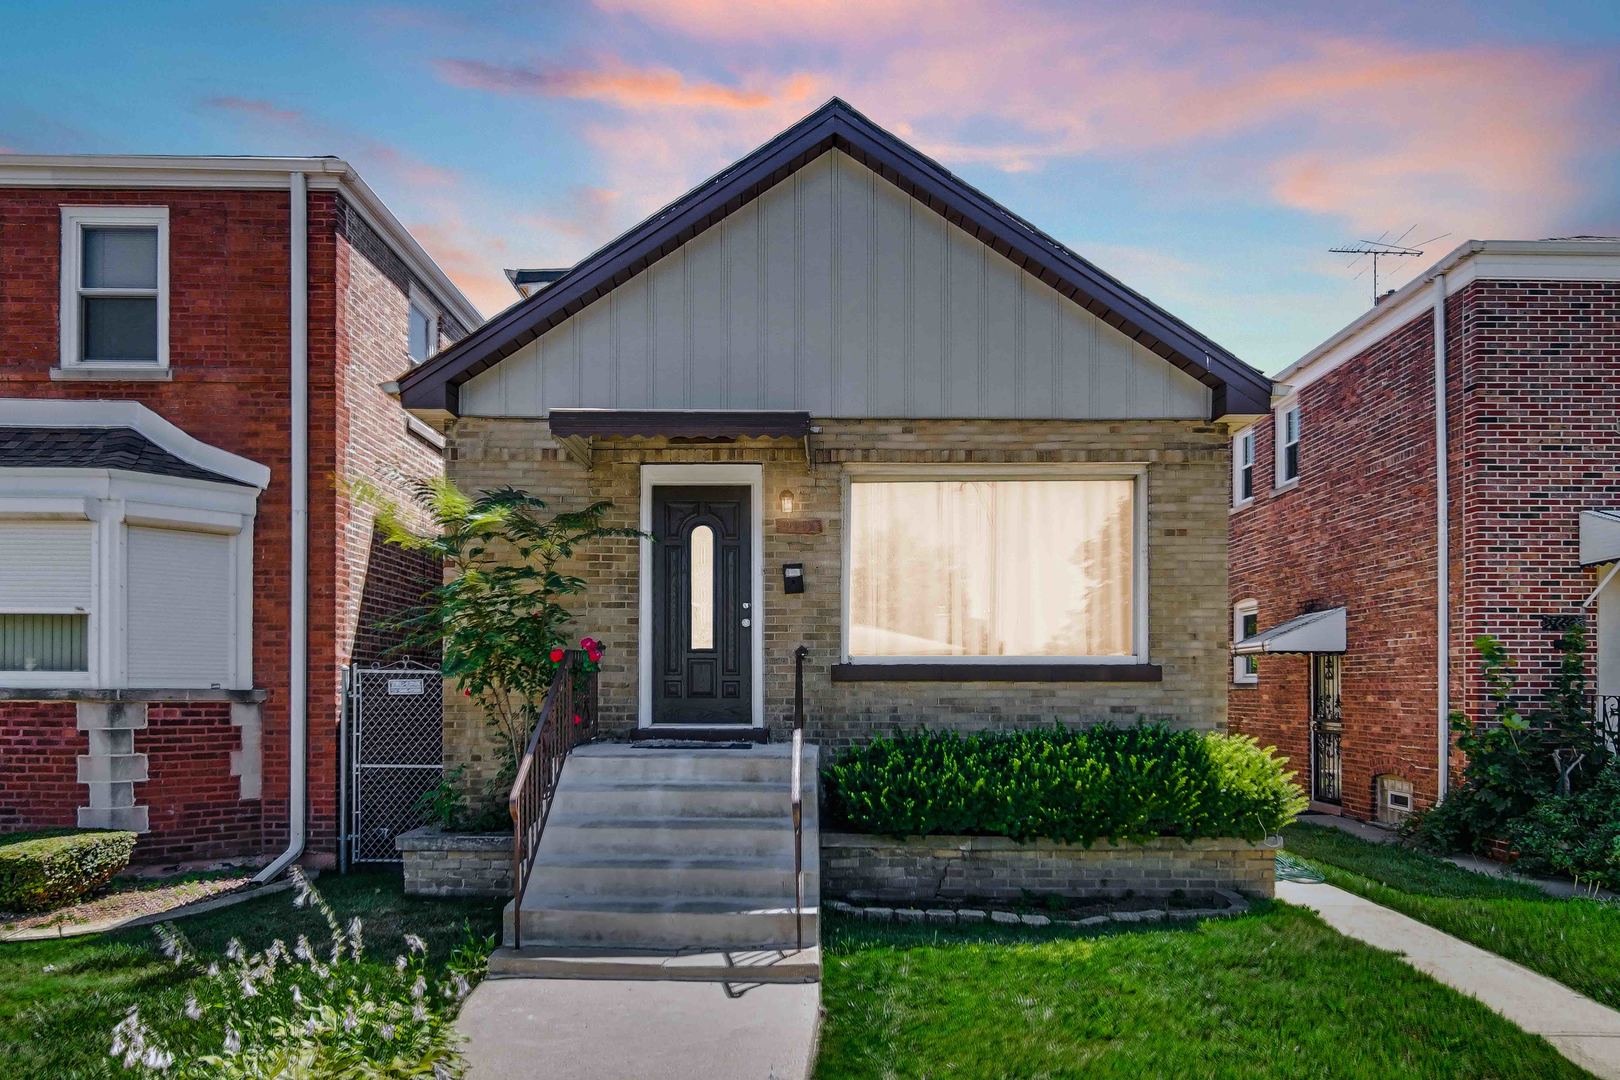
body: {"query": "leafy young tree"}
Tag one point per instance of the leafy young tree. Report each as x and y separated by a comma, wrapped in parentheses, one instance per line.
(499, 615)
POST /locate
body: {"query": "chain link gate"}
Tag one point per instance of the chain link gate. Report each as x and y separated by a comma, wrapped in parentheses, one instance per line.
(395, 753)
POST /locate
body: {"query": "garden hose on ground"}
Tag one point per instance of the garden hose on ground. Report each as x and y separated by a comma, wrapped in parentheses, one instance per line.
(1291, 869)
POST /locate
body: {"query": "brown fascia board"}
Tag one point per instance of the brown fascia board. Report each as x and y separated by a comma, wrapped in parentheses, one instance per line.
(1237, 387)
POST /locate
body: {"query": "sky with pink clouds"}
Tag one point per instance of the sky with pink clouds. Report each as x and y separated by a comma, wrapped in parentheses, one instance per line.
(1206, 154)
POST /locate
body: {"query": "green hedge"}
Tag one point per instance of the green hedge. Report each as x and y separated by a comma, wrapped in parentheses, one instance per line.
(41, 870)
(1079, 786)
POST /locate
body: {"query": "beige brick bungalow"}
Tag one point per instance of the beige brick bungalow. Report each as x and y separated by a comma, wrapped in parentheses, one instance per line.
(862, 408)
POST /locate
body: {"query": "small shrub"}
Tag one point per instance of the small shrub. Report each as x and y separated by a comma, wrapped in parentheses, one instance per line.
(1078, 786)
(309, 1010)
(1575, 835)
(42, 870)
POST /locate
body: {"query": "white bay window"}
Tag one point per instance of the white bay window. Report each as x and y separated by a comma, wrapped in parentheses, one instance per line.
(995, 566)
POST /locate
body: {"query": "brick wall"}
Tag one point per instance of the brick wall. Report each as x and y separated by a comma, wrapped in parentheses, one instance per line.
(1187, 470)
(924, 869)
(39, 748)
(194, 804)
(1540, 432)
(1357, 530)
(229, 361)
(1532, 396)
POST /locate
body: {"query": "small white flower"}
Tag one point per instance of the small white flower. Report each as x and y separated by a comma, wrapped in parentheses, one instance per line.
(193, 1010)
(462, 986)
(248, 989)
(354, 937)
(233, 1041)
(158, 1060)
(419, 1012)
(213, 970)
(350, 1021)
(418, 988)
(387, 1031)
(48, 968)
(233, 949)
(399, 964)
(303, 951)
(415, 944)
(309, 1026)
(297, 996)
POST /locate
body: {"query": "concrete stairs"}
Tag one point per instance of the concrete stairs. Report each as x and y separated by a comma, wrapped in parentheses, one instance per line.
(671, 863)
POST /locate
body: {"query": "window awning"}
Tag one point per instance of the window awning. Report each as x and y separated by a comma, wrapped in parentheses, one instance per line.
(575, 428)
(1313, 632)
(1600, 537)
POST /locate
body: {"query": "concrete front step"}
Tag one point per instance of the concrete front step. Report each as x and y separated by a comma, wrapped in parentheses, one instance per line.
(568, 834)
(659, 923)
(618, 761)
(735, 966)
(662, 874)
(688, 798)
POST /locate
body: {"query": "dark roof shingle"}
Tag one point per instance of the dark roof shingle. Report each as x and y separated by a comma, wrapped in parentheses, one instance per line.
(95, 448)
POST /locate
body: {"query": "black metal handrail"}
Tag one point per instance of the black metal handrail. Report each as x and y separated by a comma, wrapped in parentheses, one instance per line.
(1606, 719)
(567, 719)
(799, 656)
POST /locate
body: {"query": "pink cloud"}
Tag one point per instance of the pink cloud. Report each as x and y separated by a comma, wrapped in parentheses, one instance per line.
(619, 84)
(319, 136)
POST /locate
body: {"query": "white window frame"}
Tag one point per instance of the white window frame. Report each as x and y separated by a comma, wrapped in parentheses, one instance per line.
(1241, 675)
(856, 473)
(1244, 438)
(1279, 431)
(75, 219)
(422, 302)
(113, 500)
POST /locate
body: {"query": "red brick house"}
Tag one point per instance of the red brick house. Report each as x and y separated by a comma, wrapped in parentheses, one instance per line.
(1346, 520)
(195, 349)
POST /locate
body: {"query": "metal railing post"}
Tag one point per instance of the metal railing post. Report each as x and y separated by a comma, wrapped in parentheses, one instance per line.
(799, 656)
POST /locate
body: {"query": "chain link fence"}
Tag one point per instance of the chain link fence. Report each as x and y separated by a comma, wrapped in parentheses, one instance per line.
(395, 749)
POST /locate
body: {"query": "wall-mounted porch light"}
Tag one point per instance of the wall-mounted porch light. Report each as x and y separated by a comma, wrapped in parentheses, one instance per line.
(787, 501)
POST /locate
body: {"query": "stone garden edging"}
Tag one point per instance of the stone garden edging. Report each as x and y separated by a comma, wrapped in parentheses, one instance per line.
(1235, 904)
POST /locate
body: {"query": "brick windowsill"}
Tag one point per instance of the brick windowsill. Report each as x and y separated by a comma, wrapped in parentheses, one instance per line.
(974, 673)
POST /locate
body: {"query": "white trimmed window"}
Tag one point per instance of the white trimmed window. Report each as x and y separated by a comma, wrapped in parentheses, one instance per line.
(423, 334)
(47, 589)
(1286, 429)
(1245, 624)
(986, 567)
(115, 287)
(1243, 467)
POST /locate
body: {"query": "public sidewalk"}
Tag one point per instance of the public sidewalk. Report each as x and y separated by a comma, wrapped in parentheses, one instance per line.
(606, 1029)
(1578, 1027)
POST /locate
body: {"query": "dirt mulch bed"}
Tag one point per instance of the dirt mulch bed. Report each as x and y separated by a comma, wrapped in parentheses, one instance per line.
(132, 896)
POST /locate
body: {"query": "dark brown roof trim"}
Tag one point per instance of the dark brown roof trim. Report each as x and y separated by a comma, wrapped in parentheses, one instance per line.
(678, 423)
(1237, 387)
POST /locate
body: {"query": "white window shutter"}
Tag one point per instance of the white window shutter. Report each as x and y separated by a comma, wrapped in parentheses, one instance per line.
(181, 608)
(45, 565)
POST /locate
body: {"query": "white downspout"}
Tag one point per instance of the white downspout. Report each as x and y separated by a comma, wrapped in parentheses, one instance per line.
(298, 653)
(1442, 510)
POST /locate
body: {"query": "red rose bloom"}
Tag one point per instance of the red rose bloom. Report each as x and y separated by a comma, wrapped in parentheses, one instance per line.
(576, 718)
(557, 656)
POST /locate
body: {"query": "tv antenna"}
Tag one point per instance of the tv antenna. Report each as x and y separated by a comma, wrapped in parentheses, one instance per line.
(1382, 249)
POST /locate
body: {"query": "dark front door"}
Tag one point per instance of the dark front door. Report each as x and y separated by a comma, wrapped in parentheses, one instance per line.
(1327, 728)
(702, 597)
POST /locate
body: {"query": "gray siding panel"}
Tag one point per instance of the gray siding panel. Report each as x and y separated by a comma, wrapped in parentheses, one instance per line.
(836, 293)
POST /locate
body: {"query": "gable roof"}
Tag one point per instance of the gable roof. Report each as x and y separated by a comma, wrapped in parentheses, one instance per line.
(1236, 387)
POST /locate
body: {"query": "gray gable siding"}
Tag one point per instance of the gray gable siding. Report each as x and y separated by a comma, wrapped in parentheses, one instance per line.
(836, 293)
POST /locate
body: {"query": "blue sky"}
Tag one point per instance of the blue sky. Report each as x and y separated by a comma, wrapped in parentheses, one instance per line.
(1208, 155)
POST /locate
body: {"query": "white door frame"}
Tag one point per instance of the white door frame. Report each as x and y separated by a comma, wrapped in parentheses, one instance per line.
(707, 475)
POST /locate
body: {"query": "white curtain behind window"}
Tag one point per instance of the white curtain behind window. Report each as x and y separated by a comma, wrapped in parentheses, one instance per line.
(991, 568)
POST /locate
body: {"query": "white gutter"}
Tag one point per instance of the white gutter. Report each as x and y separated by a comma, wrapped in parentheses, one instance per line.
(1442, 499)
(298, 654)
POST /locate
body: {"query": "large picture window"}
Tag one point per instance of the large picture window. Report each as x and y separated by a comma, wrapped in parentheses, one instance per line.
(989, 568)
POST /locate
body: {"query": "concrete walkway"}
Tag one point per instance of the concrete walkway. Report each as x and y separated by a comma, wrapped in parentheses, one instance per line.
(601, 1029)
(1561, 888)
(1578, 1027)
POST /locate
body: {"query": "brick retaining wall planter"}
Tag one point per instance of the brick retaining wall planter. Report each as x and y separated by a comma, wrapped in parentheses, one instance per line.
(863, 867)
(439, 863)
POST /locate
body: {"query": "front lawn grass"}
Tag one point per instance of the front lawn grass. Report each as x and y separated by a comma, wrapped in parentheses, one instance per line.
(60, 999)
(1273, 994)
(1576, 942)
